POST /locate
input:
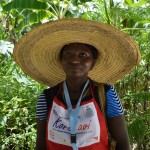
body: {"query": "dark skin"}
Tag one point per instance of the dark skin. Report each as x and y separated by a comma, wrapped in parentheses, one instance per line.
(77, 60)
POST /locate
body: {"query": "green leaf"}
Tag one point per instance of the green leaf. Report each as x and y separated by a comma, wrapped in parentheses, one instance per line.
(3, 120)
(74, 2)
(25, 4)
(144, 21)
(84, 1)
(32, 19)
(137, 130)
(132, 4)
(141, 95)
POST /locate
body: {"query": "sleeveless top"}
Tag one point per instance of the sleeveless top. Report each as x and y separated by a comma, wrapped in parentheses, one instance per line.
(91, 127)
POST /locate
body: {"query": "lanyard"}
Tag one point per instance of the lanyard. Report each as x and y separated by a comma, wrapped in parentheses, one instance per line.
(73, 113)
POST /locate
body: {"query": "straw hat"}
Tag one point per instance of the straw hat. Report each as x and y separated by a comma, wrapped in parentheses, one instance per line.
(37, 52)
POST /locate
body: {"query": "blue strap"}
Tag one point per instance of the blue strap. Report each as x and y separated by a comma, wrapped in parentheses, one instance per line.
(73, 113)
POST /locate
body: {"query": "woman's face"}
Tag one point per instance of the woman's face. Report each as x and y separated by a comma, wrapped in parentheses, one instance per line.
(77, 60)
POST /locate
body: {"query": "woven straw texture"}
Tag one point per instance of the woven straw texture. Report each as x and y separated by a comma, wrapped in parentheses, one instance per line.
(37, 52)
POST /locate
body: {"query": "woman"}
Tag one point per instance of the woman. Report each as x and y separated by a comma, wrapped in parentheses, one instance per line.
(69, 113)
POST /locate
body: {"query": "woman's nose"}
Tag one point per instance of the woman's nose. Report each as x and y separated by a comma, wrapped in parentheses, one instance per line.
(75, 59)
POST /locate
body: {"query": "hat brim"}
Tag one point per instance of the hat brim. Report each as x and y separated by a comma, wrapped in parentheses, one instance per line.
(37, 52)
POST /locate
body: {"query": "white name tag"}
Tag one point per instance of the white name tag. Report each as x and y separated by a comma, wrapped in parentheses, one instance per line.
(88, 128)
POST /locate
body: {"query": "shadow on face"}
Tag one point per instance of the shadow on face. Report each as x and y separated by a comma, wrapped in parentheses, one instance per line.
(90, 47)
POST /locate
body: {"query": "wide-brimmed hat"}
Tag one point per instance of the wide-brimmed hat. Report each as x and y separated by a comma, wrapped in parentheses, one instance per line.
(37, 52)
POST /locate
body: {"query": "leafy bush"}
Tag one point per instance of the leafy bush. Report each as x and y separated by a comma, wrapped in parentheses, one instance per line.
(18, 105)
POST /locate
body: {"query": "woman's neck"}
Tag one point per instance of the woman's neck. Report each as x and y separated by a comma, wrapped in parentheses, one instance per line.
(76, 85)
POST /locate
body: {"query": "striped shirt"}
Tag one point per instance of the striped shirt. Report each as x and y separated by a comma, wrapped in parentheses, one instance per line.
(113, 109)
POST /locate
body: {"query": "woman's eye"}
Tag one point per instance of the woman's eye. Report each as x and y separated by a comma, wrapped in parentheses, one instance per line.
(83, 55)
(67, 54)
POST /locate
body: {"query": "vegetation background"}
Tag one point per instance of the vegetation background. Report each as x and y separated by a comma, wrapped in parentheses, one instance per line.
(19, 93)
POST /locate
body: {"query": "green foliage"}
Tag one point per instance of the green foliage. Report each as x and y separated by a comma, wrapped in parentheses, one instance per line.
(32, 18)
(18, 101)
(131, 3)
(137, 130)
(25, 4)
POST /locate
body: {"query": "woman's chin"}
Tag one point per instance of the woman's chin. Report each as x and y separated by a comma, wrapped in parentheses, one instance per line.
(76, 75)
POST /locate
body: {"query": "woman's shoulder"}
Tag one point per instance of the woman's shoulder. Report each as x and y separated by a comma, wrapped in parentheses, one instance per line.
(107, 86)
